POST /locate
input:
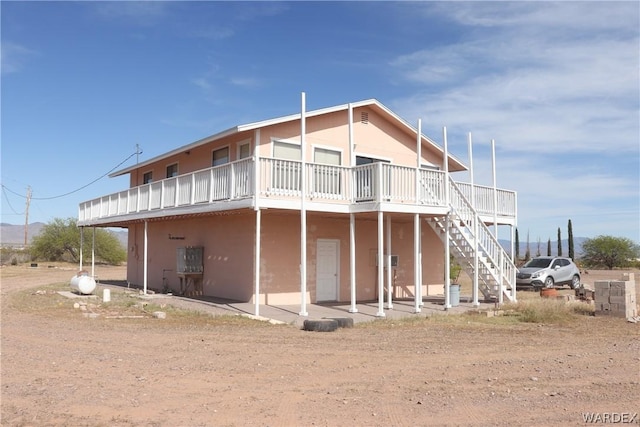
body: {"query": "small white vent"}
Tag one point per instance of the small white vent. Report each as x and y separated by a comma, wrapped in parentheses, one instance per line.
(364, 118)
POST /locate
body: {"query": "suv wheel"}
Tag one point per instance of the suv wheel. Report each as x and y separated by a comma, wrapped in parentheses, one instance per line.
(575, 281)
(548, 282)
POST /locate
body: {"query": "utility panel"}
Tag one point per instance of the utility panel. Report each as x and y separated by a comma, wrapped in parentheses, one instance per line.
(189, 260)
(394, 261)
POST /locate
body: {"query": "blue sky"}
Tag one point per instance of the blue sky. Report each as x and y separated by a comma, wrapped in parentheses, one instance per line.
(556, 84)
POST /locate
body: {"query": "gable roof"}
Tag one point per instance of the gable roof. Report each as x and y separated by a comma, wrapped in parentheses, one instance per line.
(371, 103)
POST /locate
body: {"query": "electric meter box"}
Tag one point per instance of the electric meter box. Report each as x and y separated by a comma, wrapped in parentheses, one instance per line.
(189, 260)
(394, 261)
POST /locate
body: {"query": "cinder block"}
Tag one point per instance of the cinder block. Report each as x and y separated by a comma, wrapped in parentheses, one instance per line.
(601, 285)
(603, 306)
(615, 299)
(619, 284)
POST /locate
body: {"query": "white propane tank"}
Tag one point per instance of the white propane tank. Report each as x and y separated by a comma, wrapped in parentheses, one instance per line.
(83, 283)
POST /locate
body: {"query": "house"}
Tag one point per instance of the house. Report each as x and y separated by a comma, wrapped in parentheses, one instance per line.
(364, 198)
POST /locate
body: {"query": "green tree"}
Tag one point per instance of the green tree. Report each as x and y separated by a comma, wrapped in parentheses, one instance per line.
(517, 247)
(570, 234)
(609, 251)
(549, 247)
(527, 254)
(559, 242)
(59, 240)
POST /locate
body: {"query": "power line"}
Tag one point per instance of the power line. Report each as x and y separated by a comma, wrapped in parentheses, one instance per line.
(4, 192)
(78, 189)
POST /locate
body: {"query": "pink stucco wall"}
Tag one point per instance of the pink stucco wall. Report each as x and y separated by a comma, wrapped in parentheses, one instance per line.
(286, 257)
(229, 246)
(228, 253)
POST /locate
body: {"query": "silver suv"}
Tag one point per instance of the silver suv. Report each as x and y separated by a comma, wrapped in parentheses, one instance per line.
(549, 271)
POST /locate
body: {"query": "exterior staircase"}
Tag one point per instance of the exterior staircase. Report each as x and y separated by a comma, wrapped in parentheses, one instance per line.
(468, 235)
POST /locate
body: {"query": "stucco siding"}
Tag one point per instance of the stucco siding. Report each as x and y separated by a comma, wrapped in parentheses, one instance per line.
(228, 242)
(280, 264)
(229, 253)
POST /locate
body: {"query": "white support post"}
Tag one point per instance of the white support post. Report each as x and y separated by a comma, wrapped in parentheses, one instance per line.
(256, 169)
(145, 257)
(256, 261)
(418, 161)
(352, 157)
(303, 212)
(352, 261)
(501, 276)
(416, 264)
(476, 218)
(93, 252)
(380, 312)
(379, 184)
(388, 258)
(81, 246)
(512, 276)
(420, 266)
(447, 264)
(256, 192)
(352, 220)
(447, 253)
(417, 229)
(495, 189)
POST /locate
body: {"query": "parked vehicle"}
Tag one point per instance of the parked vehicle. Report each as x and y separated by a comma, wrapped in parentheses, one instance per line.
(548, 271)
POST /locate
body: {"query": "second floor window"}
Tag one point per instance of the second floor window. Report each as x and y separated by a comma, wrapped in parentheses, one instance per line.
(147, 178)
(172, 170)
(244, 151)
(220, 157)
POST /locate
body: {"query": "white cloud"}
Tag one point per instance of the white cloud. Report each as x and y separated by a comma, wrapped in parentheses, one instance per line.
(14, 56)
(526, 71)
(556, 85)
(245, 81)
(133, 12)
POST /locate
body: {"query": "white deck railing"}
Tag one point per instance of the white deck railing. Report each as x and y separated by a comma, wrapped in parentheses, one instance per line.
(277, 178)
(484, 199)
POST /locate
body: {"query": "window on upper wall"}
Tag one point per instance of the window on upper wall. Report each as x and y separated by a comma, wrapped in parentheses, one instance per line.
(147, 177)
(244, 150)
(172, 170)
(326, 156)
(286, 150)
(326, 177)
(285, 175)
(220, 157)
(362, 160)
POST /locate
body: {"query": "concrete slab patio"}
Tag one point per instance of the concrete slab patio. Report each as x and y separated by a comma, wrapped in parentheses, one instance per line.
(289, 314)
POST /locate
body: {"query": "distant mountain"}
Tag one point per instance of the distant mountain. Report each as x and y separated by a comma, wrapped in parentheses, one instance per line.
(533, 247)
(13, 235)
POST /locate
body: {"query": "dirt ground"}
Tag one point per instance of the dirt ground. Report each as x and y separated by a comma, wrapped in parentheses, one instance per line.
(60, 368)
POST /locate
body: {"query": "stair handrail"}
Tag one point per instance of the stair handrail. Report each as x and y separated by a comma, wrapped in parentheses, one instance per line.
(485, 239)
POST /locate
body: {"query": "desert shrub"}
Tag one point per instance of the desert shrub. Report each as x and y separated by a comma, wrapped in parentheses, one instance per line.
(547, 310)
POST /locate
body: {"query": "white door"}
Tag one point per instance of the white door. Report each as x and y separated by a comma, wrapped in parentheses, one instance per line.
(327, 266)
